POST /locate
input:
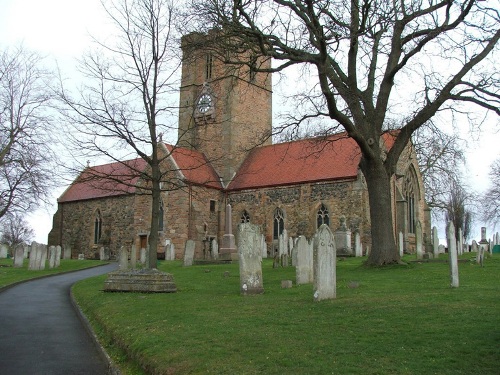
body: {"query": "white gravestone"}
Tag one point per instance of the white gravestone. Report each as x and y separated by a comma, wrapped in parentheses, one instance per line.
(18, 256)
(189, 253)
(249, 251)
(452, 253)
(325, 258)
(215, 249)
(67, 252)
(58, 256)
(304, 270)
(4, 250)
(435, 242)
(419, 240)
(123, 260)
(52, 256)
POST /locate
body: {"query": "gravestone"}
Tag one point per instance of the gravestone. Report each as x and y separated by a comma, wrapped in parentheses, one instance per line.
(189, 253)
(343, 238)
(401, 244)
(325, 258)
(4, 250)
(497, 238)
(227, 250)
(435, 242)
(172, 252)
(215, 249)
(103, 253)
(263, 246)
(43, 258)
(284, 260)
(460, 244)
(81, 256)
(441, 249)
(452, 253)
(18, 256)
(67, 252)
(143, 256)
(304, 269)
(52, 256)
(33, 253)
(474, 246)
(27, 250)
(133, 257)
(482, 246)
(249, 252)
(358, 251)
(123, 259)
(290, 245)
(419, 240)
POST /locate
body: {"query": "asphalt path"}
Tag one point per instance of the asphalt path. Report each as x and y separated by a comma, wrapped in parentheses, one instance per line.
(42, 334)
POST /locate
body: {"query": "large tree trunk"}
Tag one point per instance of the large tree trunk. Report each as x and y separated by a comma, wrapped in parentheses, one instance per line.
(384, 249)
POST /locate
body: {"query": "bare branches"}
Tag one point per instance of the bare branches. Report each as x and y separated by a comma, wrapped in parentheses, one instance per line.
(25, 155)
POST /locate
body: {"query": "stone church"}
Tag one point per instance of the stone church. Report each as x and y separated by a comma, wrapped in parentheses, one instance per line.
(224, 155)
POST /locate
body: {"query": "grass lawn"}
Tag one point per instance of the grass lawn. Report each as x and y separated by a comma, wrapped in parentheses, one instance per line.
(10, 275)
(399, 320)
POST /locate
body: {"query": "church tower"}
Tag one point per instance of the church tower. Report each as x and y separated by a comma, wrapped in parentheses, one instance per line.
(225, 110)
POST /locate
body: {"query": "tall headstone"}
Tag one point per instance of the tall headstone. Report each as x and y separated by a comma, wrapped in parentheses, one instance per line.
(291, 243)
(460, 244)
(143, 256)
(123, 259)
(189, 253)
(474, 246)
(358, 251)
(52, 256)
(250, 259)
(103, 253)
(43, 258)
(435, 242)
(263, 246)
(33, 254)
(215, 249)
(4, 250)
(325, 258)
(483, 246)
(67, 252)
(58, 256)
(419, 240)
(343, 238)
(304, 270)
(227, 251)
(18, 256)
(133, 257)
(452, 254)
(401, 244)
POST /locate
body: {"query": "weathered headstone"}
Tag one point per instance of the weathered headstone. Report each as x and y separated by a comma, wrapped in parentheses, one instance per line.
(4, 250)
(123, 259)
(143, 256)
(435, 242)
(133, 257)
(452, 253)
(103, 253)
(441, 249)
(304, 270)
(343, 238)
(460, 244)
(215, 249)
(290, 246)
(474, 246)
(52, 256)
(18, 256)
(189, 253)
(263, 246)
(81, 256)
(249, 251)
(227, 250)
(325, 258)
(357, 245)
(419, 240)
(482, 246)
(67, 252)
(58, 256)
(43, 258)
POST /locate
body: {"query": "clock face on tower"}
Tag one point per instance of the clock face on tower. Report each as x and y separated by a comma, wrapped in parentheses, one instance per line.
(204, 103)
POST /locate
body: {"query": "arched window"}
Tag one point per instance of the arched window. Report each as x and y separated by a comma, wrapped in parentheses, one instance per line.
(411, 196)
(278, 223)
(160, 216)
(323, 217)
(245, 217)
(97, 227)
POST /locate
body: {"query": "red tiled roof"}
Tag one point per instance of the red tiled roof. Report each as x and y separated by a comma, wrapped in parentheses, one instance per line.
(106, 180)
(310, 160)
(194, 166)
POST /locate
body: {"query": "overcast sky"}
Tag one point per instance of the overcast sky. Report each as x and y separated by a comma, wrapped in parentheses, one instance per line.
(59, 29)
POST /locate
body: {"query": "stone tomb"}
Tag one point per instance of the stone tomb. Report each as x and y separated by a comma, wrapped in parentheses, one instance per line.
(250, 259)
(141, 281)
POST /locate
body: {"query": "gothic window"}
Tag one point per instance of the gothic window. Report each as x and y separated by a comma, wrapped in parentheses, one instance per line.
(411, 196)
(212, 205)
(160, 216)
(245, 217)
(323, 216)
(279, 223)
(97, 227)
(208, 67)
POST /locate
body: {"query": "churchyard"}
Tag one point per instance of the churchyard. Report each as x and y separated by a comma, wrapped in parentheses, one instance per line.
(405, 319)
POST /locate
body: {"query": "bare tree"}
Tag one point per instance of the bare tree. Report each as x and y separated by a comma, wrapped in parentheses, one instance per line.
(373, 63)
(490, 207)
(458, 210)
(25, 157)
(16, 231)
(127, 101)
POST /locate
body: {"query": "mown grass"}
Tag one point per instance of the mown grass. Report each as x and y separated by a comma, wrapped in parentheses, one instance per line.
(399, 320)
(10, 275)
